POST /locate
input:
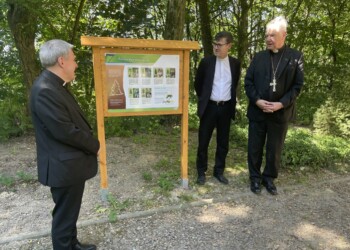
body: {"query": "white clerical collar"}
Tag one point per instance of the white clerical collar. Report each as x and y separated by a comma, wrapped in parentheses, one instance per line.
(223, 59)
(275, 51)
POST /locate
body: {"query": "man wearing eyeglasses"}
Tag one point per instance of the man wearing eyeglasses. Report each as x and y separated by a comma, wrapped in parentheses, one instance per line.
(215, 85)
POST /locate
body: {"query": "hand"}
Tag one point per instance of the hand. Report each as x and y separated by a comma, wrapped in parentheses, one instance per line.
(264, 105)
(275, 106)
(268, 107)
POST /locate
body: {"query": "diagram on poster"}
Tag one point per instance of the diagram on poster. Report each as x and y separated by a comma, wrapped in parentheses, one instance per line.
(142, 82)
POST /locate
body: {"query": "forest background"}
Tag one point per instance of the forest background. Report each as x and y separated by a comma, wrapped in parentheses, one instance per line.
(320, 29)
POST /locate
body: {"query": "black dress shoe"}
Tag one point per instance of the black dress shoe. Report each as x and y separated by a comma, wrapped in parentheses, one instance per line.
(80, 246)
(201, 180)
(221, 178)
(270, 187)
(255, 187)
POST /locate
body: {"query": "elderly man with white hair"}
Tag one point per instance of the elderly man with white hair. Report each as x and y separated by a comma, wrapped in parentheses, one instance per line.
(272, 83)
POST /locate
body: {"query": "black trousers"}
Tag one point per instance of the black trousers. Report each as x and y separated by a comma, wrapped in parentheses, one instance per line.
(273, 134)
(65, 215)
(218, 117)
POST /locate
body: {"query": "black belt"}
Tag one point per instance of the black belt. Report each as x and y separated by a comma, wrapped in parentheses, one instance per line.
(219, 103)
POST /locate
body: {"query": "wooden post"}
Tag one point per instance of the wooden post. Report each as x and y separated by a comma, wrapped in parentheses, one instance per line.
(184, 121)
(100, 121)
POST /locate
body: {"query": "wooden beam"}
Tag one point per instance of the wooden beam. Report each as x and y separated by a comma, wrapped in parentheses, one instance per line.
(139, 43)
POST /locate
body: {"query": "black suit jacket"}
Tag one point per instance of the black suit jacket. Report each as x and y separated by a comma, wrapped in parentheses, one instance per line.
(203, 83)
(66, 148)
(290, 79)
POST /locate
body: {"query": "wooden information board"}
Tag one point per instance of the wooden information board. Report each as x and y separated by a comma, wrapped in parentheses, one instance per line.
(137, 77)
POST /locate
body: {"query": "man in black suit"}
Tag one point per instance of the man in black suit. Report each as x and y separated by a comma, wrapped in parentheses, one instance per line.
(66, 149)
(215, 84)
(273, 82)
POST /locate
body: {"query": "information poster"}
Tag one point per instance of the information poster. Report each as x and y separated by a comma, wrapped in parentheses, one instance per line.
(137, 82)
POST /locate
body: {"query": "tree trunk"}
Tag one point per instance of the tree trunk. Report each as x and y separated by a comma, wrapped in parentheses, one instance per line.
(77, 21)
(242, 31)
(205, 27)
(242, 36)
(175, 20)
(23, 26)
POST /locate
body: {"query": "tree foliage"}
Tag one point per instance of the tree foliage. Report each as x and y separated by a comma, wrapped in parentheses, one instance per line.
(318, 28)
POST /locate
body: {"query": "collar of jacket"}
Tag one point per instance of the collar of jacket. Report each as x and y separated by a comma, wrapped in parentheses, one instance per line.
(54, 79)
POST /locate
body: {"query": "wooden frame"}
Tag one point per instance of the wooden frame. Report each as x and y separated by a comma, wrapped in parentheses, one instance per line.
(101, 46)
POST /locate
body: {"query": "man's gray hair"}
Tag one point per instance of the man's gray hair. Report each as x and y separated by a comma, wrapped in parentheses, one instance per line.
(52, 50)
(279, 23)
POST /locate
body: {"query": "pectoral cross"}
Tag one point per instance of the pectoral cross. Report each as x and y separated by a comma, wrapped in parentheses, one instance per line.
(273, 84)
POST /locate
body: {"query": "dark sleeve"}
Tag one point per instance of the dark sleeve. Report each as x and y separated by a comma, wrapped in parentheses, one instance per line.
(249, 82)
(239, 69)
(199, 78)
(290, 96)
(56, 120)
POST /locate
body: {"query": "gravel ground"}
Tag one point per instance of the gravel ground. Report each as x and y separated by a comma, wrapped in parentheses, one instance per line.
(311, 211)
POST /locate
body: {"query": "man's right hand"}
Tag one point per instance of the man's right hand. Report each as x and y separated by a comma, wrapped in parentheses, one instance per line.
(269, 107)
(264, 105)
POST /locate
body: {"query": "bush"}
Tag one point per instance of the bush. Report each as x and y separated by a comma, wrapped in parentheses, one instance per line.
(14, 120)
(239, 135)
(305, 149)
(193, 119)
(306, 106)
(333, 118)
(128, 126)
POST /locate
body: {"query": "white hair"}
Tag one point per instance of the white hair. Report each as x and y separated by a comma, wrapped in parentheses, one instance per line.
(279, 23)
(52, 50)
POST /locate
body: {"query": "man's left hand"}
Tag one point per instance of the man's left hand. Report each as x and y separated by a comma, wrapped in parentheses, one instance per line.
(273, 106)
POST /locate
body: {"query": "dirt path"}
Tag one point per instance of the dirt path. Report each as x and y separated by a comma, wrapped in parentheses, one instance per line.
(312, 212)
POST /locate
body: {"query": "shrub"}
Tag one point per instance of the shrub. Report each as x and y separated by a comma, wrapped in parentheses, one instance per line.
(193, 119)
(306, 106)
(305, 149)
(14, 120)
(333, 118)
(239, 135)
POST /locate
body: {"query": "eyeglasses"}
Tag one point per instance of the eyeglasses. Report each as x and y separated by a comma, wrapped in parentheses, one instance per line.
(219, 45)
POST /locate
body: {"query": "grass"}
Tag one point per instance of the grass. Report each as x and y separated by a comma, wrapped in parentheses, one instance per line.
(186, 197)
(162, 164)
(141, 139)
(114, 208)
(147, 176)
(8, 181)
(25, 177)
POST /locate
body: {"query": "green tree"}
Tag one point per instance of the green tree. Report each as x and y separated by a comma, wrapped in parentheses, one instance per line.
(175, 20)
(23, 26)
(205, 25)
